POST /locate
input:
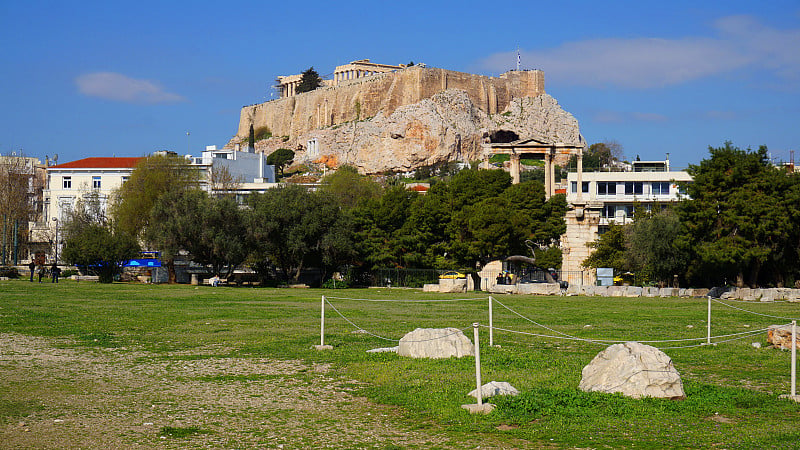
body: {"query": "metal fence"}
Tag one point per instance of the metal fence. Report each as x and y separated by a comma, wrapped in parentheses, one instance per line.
(413, 278)
(416, 278)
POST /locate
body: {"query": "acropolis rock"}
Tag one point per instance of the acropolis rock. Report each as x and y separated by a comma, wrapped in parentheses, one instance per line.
(414, 117)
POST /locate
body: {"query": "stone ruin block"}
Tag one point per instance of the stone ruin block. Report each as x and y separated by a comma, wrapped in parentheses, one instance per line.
(453, 285)
(430, 288)
(668, 292)
(632, 291)
(435, 343)
(634, 370)
(780, 336)
(539, 288)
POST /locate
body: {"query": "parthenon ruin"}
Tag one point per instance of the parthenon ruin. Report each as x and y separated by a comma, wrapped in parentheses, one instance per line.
(287, 85)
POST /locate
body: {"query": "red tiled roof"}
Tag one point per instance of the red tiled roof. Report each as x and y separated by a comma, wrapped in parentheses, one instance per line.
(100, 163)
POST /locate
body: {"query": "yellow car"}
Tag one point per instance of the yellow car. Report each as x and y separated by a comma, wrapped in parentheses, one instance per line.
(452, 275)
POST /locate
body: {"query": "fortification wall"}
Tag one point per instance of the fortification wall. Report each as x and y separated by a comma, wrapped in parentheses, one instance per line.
(384, 93)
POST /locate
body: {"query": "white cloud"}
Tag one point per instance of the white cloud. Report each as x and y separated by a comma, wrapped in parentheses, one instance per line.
(118, 87)
(740, 42)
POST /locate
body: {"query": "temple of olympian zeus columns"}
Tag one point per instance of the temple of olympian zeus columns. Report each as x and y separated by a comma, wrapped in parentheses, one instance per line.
(287, 85)
(536, 149)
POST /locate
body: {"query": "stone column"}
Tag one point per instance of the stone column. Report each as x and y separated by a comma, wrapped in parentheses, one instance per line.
(580, 175)
(552, 157)
(548, 181)
(515, 168)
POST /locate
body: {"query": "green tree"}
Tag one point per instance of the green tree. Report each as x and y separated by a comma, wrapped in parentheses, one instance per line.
(222, 242)
(741, 217)
(609, 250)
(600, 155)
(153, 177)
(293, 228)
(101, 250)
(487, 230)
(88, 210)
(657, 247)
(377, 222)
(349, 188)
(175, 223)
(309, 81)
(280, 158)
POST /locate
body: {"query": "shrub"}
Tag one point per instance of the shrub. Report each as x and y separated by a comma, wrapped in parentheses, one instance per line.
(262, 133)
(9, 272)
(333, 284)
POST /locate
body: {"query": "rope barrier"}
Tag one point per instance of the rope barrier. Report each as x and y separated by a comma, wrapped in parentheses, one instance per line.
(617, 341)
(753, 312)
(385, 338)
(406, 301)
(605, 342)
(753, 301)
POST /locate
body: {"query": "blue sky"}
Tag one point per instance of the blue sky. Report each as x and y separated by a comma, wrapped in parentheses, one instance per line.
(127, 78)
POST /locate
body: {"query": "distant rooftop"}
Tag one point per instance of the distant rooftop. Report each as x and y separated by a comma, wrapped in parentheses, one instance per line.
(100, 163)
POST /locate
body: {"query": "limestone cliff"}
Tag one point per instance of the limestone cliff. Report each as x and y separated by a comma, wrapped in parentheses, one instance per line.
(405, 120)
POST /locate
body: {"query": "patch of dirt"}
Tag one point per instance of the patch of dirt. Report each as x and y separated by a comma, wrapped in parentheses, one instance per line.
(56, 395)
(721, 419)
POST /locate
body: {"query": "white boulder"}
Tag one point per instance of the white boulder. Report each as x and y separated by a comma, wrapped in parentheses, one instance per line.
(634, 370)
(493, 388)
(435, 343)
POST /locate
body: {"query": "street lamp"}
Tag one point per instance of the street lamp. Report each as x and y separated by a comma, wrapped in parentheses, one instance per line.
(55, 219)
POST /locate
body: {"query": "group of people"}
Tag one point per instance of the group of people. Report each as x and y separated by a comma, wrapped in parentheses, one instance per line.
(39, 269)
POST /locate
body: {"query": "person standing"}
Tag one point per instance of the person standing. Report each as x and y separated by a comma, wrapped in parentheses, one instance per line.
(32, 267)
(55, 272)
(40, 271)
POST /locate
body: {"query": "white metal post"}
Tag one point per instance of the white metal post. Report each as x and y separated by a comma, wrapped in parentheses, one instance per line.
(794, 358)
(322, 323)
(478, 364)
(491, 323)
(708, 339)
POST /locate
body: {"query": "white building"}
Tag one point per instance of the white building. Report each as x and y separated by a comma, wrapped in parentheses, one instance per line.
(69, 182)
(598, 199)
(248, 171)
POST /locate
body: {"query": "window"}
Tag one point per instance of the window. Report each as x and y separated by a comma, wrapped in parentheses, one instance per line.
(606, 188)
(95, 182)
(125, 180)
(67, 183)
(660, 188)
(574, 186)
(585, 187)
(634, 188)
(628, 210)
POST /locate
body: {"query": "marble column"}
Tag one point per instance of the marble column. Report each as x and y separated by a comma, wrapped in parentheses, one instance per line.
(515, 168)
(552, 173)
(548, 181)
(580, 175)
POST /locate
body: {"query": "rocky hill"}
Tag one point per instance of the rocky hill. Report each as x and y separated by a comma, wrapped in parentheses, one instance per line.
(448, 125)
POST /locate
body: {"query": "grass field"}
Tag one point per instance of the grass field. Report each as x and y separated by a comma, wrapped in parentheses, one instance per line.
(155, 342)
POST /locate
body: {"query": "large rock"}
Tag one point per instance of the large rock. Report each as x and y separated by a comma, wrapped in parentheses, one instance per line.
(435, 343)
(493, 388)
(780, 336)
(456, 285)
(539, 288)
(634, 370)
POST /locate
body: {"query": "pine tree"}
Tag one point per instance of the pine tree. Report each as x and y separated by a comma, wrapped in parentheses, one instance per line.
(310, 81)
